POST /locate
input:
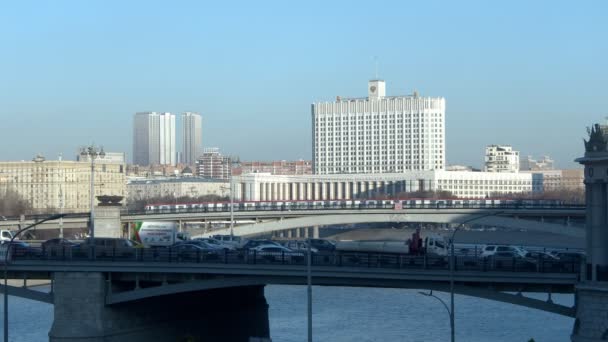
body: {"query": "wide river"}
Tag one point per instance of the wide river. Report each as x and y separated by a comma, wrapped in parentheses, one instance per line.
(364, 314)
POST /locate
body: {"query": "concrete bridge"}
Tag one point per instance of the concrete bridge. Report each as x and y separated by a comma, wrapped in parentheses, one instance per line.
(565, 220)
(145, 297)
(142, 300)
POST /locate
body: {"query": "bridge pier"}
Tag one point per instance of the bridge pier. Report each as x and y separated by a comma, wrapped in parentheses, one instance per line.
(591, 324)
(228, 314)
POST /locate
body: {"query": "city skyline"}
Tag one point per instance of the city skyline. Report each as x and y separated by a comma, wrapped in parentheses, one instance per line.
(528, 85)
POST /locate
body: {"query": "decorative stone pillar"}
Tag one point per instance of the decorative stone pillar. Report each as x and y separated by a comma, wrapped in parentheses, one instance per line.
(591, 324)
(596, 180)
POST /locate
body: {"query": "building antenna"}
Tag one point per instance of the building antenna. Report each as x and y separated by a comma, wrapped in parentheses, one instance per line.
(376, 65)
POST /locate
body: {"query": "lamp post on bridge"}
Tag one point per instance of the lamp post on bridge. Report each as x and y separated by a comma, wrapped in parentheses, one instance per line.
(92, 153)
(450, 310)
(232, 160)
(6, 259)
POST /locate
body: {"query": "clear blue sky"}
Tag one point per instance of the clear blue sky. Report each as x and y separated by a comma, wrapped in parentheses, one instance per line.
(532, 74)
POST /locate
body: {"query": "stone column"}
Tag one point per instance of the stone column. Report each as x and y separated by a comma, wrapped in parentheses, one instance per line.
(355, 190)
(316, 195)
(371, 189)
(323, 191)
(300, 191)
(347, 190)
(309, 191)
(315, 232)
(261, 191)
(332, 190)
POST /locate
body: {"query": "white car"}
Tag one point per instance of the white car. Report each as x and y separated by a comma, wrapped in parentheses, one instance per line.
(490, 250)
(274, 253)
(300, 246)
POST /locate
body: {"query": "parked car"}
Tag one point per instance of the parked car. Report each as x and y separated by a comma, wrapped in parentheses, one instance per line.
(216, 243)
(276, 253)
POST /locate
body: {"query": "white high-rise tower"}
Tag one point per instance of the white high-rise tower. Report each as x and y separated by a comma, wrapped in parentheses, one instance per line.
(153, 138)
(192, 137)
(167, 139)
(379, 133)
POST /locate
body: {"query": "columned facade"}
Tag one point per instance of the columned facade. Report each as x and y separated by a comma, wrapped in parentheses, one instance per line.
(365, 186)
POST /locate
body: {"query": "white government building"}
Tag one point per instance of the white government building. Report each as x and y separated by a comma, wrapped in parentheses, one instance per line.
(379, 133)
(366, 147)
(267, 187)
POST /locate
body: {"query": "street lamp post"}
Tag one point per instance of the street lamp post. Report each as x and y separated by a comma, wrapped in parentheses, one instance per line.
(232, 161)
(6, 258)
(452, 261)
(309, 288)
(92, 153)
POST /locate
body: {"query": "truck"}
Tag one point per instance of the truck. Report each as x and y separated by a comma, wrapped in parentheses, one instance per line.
(432, 245)
(157, 234)
(5, 235)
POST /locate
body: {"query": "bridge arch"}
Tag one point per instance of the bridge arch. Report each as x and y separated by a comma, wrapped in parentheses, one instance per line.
(439, 217)
(223, 282)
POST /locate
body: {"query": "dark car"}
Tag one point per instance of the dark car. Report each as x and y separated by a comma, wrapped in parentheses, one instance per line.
(512, 261)
(323, 245)
(106, 248)
(572, 257)
(57, 247)
(193, 252)
(22, 249)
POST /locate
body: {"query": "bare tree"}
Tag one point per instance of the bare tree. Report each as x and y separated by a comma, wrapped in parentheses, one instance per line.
(12, 204)
(567, 195)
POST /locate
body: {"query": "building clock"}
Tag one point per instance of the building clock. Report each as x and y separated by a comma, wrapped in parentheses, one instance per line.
(372, 89)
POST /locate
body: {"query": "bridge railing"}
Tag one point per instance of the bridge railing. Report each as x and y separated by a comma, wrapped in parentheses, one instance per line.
(312, 206)
(181, 255)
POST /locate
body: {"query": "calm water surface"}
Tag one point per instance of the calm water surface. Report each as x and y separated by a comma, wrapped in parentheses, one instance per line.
(364, 314)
